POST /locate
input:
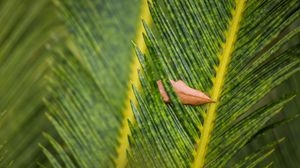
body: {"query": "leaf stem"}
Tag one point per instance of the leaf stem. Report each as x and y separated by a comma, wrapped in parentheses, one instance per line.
(225, 58)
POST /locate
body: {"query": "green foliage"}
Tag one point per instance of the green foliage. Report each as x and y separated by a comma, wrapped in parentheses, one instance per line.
(26, 26)
(236, 54)
(188, 48)
(256, 157)
(89, 81)
(284, 125)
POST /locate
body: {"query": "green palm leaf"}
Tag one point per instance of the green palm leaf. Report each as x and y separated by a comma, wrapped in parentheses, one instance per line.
(287, 153)
(232, 50)
(26, 27)
(89, 84)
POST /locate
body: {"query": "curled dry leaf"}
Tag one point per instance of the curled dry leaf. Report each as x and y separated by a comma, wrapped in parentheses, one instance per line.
(186, 94)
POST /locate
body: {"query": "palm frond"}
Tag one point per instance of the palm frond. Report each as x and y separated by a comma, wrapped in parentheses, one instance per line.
(287, 153)
(286, 124)
(26, 26)
(89, 83)
(232, 50)
(254, 158)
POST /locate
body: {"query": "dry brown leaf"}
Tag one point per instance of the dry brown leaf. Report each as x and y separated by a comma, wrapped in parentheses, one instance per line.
(186, 94)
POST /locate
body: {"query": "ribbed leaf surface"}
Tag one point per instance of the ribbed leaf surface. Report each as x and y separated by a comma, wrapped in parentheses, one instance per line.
(90, 81)
(232, 50)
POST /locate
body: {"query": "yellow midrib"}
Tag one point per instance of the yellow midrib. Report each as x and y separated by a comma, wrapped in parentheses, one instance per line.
(224, 57)
(121, 159)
